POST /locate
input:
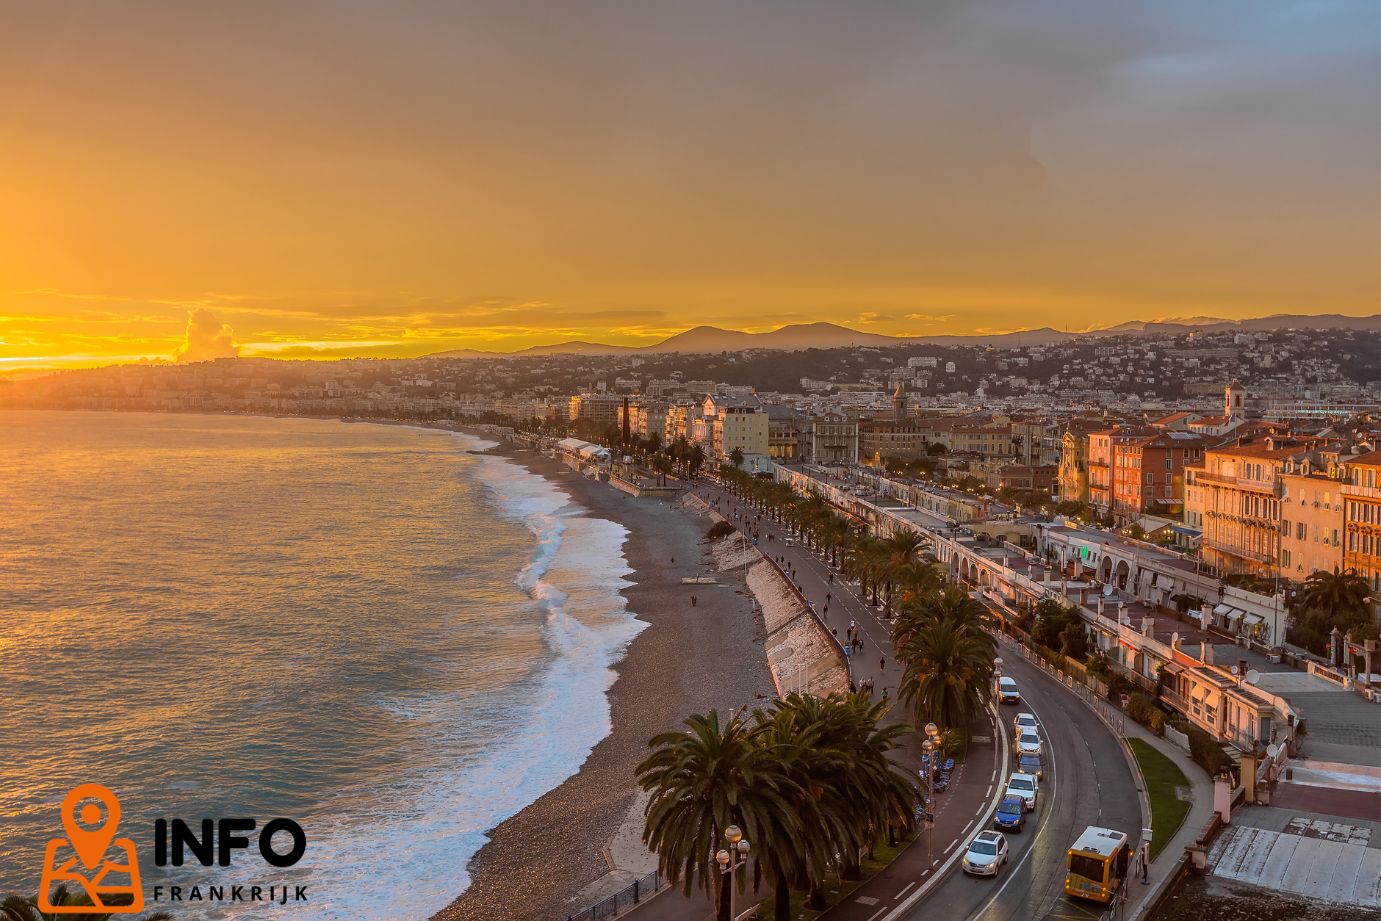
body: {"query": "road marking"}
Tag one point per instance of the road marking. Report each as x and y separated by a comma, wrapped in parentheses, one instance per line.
(1040, 833)
(878, 913)
(990, 790)
(952, 844)
(905, 889)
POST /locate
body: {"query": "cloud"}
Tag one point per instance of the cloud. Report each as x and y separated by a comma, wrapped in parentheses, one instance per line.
(207, 339)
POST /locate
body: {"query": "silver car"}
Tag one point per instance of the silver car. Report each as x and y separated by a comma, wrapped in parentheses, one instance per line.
(1026, 786)
(1028, 743)
(986, 854)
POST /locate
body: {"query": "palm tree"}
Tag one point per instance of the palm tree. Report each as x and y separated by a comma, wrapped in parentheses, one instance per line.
(661, 465)
(836, 753)
(707, 778)
(695, 459)
(736, 458)
(18, 908)
(948, 658)
(1343, 592)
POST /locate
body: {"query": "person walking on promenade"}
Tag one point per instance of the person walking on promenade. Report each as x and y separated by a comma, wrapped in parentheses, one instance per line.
(692, 601)
(828, 596)
(882, 664)
(1145, 863)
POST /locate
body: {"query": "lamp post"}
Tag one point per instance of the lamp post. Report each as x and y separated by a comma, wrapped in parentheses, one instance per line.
(928, 748)
(731, 858)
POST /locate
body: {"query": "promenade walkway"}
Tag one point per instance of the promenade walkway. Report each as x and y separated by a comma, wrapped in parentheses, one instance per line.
(972, 788)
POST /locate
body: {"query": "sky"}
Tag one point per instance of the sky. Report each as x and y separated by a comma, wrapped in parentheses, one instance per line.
(183, 180)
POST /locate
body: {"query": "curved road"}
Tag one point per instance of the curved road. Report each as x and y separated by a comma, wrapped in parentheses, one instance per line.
(1087, 782)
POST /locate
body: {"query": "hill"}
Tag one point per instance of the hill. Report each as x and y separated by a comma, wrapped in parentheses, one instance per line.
(800, 336)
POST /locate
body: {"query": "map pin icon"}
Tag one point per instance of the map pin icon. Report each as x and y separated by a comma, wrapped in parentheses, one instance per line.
(90, 845)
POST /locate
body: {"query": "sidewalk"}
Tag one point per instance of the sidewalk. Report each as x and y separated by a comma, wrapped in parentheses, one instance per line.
(1165, 868)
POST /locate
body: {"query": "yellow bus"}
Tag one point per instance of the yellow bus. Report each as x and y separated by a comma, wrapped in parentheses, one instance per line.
(1097, 864)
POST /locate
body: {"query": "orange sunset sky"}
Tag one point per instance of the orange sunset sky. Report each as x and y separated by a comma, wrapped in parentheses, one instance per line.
(330, 179)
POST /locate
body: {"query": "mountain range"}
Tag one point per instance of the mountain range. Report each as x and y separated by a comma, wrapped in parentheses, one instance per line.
(800, 336)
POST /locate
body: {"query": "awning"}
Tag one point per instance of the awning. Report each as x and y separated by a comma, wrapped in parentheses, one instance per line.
(1222, 609)
(1197, 695)
(1253, 619)
(1172, 668)
(1187, 532)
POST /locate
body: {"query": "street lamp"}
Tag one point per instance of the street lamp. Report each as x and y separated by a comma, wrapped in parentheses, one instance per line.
(928, 747)
(731, 858)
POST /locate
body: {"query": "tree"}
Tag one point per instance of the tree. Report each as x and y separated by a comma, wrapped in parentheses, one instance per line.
(736, 458)
(707, 778)
(1332, 600)
(1336, 591)
(661, 465)
(948, 658)
(695, 459)
(18, 908)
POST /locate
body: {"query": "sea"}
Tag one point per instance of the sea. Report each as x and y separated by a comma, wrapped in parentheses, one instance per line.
(371, 630)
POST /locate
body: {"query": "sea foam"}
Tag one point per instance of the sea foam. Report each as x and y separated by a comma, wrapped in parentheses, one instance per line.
(414, 861)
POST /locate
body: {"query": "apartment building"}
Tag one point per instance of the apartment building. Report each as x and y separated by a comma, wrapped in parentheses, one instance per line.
(1361, 490)
(645, 418)
(1311, 520)
(601, 408)
(1236, 496)
(737, 422)
(1148, 473)
(829, 439)
(880, 439)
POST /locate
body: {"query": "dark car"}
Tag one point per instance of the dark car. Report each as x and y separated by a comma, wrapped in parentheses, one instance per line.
(1011, 814)
(1030, 764)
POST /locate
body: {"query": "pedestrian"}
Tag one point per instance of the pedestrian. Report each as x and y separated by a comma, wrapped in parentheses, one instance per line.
(884, 695)
(847, 654)
(827, 609)
(882, 664)
(1145, 864)
(692, 601)
(828, 596)
(835, 631)
(853, 688)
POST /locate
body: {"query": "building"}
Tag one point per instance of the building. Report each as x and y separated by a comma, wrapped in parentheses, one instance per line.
(1148, 475)
(880, 439)
(1311, 519)
(1361, 489)
(1073, 474)
(829, 439)
(1236, 496)
(737, 423)
(600, 408)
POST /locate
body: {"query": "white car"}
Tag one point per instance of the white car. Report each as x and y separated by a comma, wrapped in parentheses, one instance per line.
(1007, 690)
(1026, 786)
(986, 854)
(1028, 743)
(1025, 721)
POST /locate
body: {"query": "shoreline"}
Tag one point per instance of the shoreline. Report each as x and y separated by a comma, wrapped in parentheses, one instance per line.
(581, 841)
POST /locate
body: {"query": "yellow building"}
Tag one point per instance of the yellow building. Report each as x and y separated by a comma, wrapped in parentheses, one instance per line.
(1361, 490)
(1311, 522)
(1236, 495)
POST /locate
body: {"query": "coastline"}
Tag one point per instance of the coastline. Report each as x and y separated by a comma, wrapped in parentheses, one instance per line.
(581, 838)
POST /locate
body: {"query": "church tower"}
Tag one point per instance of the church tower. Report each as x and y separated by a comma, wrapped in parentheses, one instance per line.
(899, 402)
(1232, 401)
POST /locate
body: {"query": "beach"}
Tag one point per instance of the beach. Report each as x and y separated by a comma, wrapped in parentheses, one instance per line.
(689, 659)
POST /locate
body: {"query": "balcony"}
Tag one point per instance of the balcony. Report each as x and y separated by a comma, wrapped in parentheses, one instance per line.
(1203, 476)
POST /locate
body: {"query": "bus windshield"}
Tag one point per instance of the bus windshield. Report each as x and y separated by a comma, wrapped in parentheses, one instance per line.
(1090, 868)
